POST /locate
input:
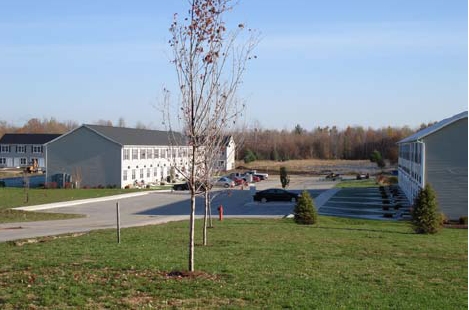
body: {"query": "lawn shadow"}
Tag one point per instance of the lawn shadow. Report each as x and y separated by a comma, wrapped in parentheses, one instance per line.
(368, 230)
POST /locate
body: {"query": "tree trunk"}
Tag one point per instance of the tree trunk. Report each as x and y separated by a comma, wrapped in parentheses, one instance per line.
(205, 217)
(191, 234)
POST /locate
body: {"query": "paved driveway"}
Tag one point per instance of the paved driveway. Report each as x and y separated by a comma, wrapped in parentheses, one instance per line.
(149, 208)
(161, 207)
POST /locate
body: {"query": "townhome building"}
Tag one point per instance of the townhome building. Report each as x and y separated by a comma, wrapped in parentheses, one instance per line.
(438, 155)
(19, 150)
(227, 154)
(93, 156)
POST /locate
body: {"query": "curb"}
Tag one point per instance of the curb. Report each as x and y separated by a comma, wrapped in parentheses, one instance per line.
(71, 203)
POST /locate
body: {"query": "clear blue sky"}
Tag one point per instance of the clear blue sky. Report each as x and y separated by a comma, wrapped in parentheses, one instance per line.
(370, 63)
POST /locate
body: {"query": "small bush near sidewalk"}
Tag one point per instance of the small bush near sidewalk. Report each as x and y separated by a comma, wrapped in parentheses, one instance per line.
(305, 212)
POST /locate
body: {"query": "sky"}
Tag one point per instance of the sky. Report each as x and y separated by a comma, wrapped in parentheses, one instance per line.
(319, 63)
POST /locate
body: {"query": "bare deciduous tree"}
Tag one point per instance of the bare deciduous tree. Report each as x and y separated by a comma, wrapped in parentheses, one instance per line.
(209, 62)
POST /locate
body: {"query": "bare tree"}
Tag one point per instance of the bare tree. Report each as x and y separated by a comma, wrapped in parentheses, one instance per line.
(209, 62)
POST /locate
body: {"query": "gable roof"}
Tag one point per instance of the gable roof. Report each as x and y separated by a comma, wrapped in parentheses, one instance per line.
(435, 127)
(132, 136)
(28, 138)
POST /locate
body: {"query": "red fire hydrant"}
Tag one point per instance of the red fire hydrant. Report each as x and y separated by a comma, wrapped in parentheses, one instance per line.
(220, 213)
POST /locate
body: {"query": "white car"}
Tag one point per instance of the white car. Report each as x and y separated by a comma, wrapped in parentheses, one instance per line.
(223, 182)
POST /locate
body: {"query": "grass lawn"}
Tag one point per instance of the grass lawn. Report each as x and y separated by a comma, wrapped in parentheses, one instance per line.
(249, 263)
(16, 197)
(357, 183)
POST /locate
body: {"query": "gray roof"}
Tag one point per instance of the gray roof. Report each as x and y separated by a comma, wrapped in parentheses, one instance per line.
(132, 136)
(28, 138)
(435, 127)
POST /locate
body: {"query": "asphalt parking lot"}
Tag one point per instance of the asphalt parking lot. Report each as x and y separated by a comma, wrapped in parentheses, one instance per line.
(157, 207)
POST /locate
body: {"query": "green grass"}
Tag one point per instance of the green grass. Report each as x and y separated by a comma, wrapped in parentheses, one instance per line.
(273, 264)
(18, 197)
(357, 183)
(13, 216)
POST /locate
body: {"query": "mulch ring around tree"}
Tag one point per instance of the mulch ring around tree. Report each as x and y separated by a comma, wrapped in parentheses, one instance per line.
(179, 275)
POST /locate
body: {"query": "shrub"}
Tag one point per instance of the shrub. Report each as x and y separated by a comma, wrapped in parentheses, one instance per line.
(444, 219)
(425, 216)
(305, 212)
(249, 157)
(463, 220)
(2, 183)
(284, 178)
(388, 215)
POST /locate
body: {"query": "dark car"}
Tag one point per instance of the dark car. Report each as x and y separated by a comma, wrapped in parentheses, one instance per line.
(275, 194)
(181, 187)
(185, 186)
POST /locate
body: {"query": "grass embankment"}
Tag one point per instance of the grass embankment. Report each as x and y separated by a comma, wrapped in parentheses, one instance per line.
(339, 264)
(18, 197)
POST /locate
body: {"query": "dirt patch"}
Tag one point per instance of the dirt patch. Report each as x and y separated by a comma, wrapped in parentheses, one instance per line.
(178, 274)
(44, 239)
(313, 166)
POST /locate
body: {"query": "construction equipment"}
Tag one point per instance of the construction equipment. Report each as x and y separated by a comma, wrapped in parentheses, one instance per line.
(33, 167)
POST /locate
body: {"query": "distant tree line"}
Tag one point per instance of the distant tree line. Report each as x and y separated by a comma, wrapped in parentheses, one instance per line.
(51, 125)
(322, 143)
(270, 144)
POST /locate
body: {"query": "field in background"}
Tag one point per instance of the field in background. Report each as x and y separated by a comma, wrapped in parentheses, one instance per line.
(312, 166)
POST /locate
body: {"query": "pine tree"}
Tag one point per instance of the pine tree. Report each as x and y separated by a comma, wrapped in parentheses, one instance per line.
(284, 178)
(305, 212)
(425, 216)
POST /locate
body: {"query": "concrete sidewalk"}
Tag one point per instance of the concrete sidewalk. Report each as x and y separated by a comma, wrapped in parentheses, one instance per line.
(70, 203)
(136, 209)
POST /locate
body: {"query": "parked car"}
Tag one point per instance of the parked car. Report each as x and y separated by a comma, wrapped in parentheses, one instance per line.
(238, 181)
(256, 178)
(185, 186)
(261, 176)
(275, 194)
(224, 182)
(181, 186)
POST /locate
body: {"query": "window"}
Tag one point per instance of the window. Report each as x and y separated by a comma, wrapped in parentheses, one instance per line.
(23, 161)
(148, 172)
(149, 153)
(36, 149)
(141, 173)
(21, 149)
(133, 174)
(5, 149)
(143, 154)
(126, 154)
(124, 175)
(157, 153)
(3, 161)
(134, 153)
